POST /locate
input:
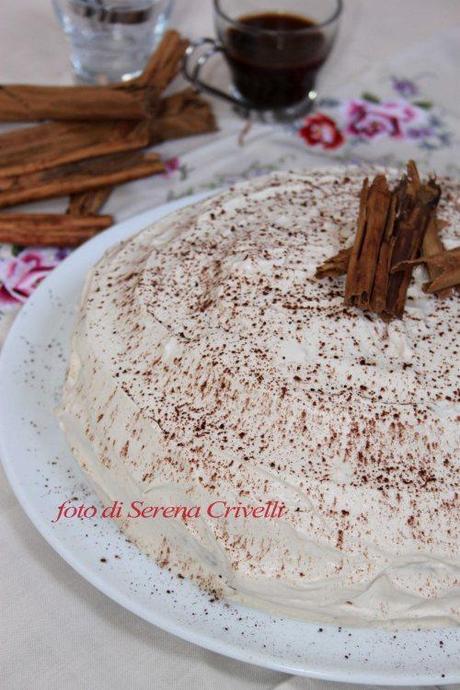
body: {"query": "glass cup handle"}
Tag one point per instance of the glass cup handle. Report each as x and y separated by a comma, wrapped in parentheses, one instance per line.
(194, 61)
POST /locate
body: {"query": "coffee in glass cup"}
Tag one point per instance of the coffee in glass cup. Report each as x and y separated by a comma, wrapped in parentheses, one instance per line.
(274, 51)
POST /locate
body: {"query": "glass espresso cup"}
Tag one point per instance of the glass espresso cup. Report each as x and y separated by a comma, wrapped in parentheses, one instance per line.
(274, 49)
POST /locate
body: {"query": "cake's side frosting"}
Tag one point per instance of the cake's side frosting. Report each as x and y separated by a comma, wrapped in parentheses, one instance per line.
(208, 363)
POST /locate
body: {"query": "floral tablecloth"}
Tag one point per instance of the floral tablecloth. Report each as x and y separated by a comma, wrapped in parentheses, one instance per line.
(57, 630)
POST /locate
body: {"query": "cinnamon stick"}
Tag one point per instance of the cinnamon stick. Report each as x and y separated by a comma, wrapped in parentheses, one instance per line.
(417, 204)
(50, 229)
(164, 64)
(133, 100)
(183, 114)
(378, 302)
(444, 282)
(23, 103)
(88, 203)
(375, 202)
(31, 149)
(78, 177)
(336, 265)
(445, 266)
(432, 245)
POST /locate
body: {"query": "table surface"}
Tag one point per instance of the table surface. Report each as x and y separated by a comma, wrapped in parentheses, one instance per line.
(57, 631)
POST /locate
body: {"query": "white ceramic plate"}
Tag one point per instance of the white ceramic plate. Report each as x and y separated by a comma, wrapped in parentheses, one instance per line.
(43, 473)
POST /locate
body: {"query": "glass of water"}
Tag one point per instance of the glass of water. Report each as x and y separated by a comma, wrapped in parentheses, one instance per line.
(111, 40)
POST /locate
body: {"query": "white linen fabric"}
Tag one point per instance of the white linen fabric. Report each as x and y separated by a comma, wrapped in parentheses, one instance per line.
(57, 631)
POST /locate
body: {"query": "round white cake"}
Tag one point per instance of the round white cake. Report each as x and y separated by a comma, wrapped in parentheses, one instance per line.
(211, 370)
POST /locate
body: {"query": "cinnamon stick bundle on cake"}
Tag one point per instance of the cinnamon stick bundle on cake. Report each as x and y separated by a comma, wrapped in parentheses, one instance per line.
(396, 230)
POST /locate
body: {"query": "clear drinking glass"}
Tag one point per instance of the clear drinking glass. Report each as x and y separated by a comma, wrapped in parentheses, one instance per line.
(274, 49)
(111, 40)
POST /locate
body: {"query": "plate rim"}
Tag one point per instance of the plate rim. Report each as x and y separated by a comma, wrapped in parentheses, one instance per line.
(104, 241)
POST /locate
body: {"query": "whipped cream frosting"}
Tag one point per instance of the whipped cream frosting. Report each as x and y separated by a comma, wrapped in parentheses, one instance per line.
(209, 364)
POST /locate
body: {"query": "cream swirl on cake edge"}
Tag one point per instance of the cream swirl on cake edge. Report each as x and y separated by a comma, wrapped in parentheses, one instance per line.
(207, 362)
